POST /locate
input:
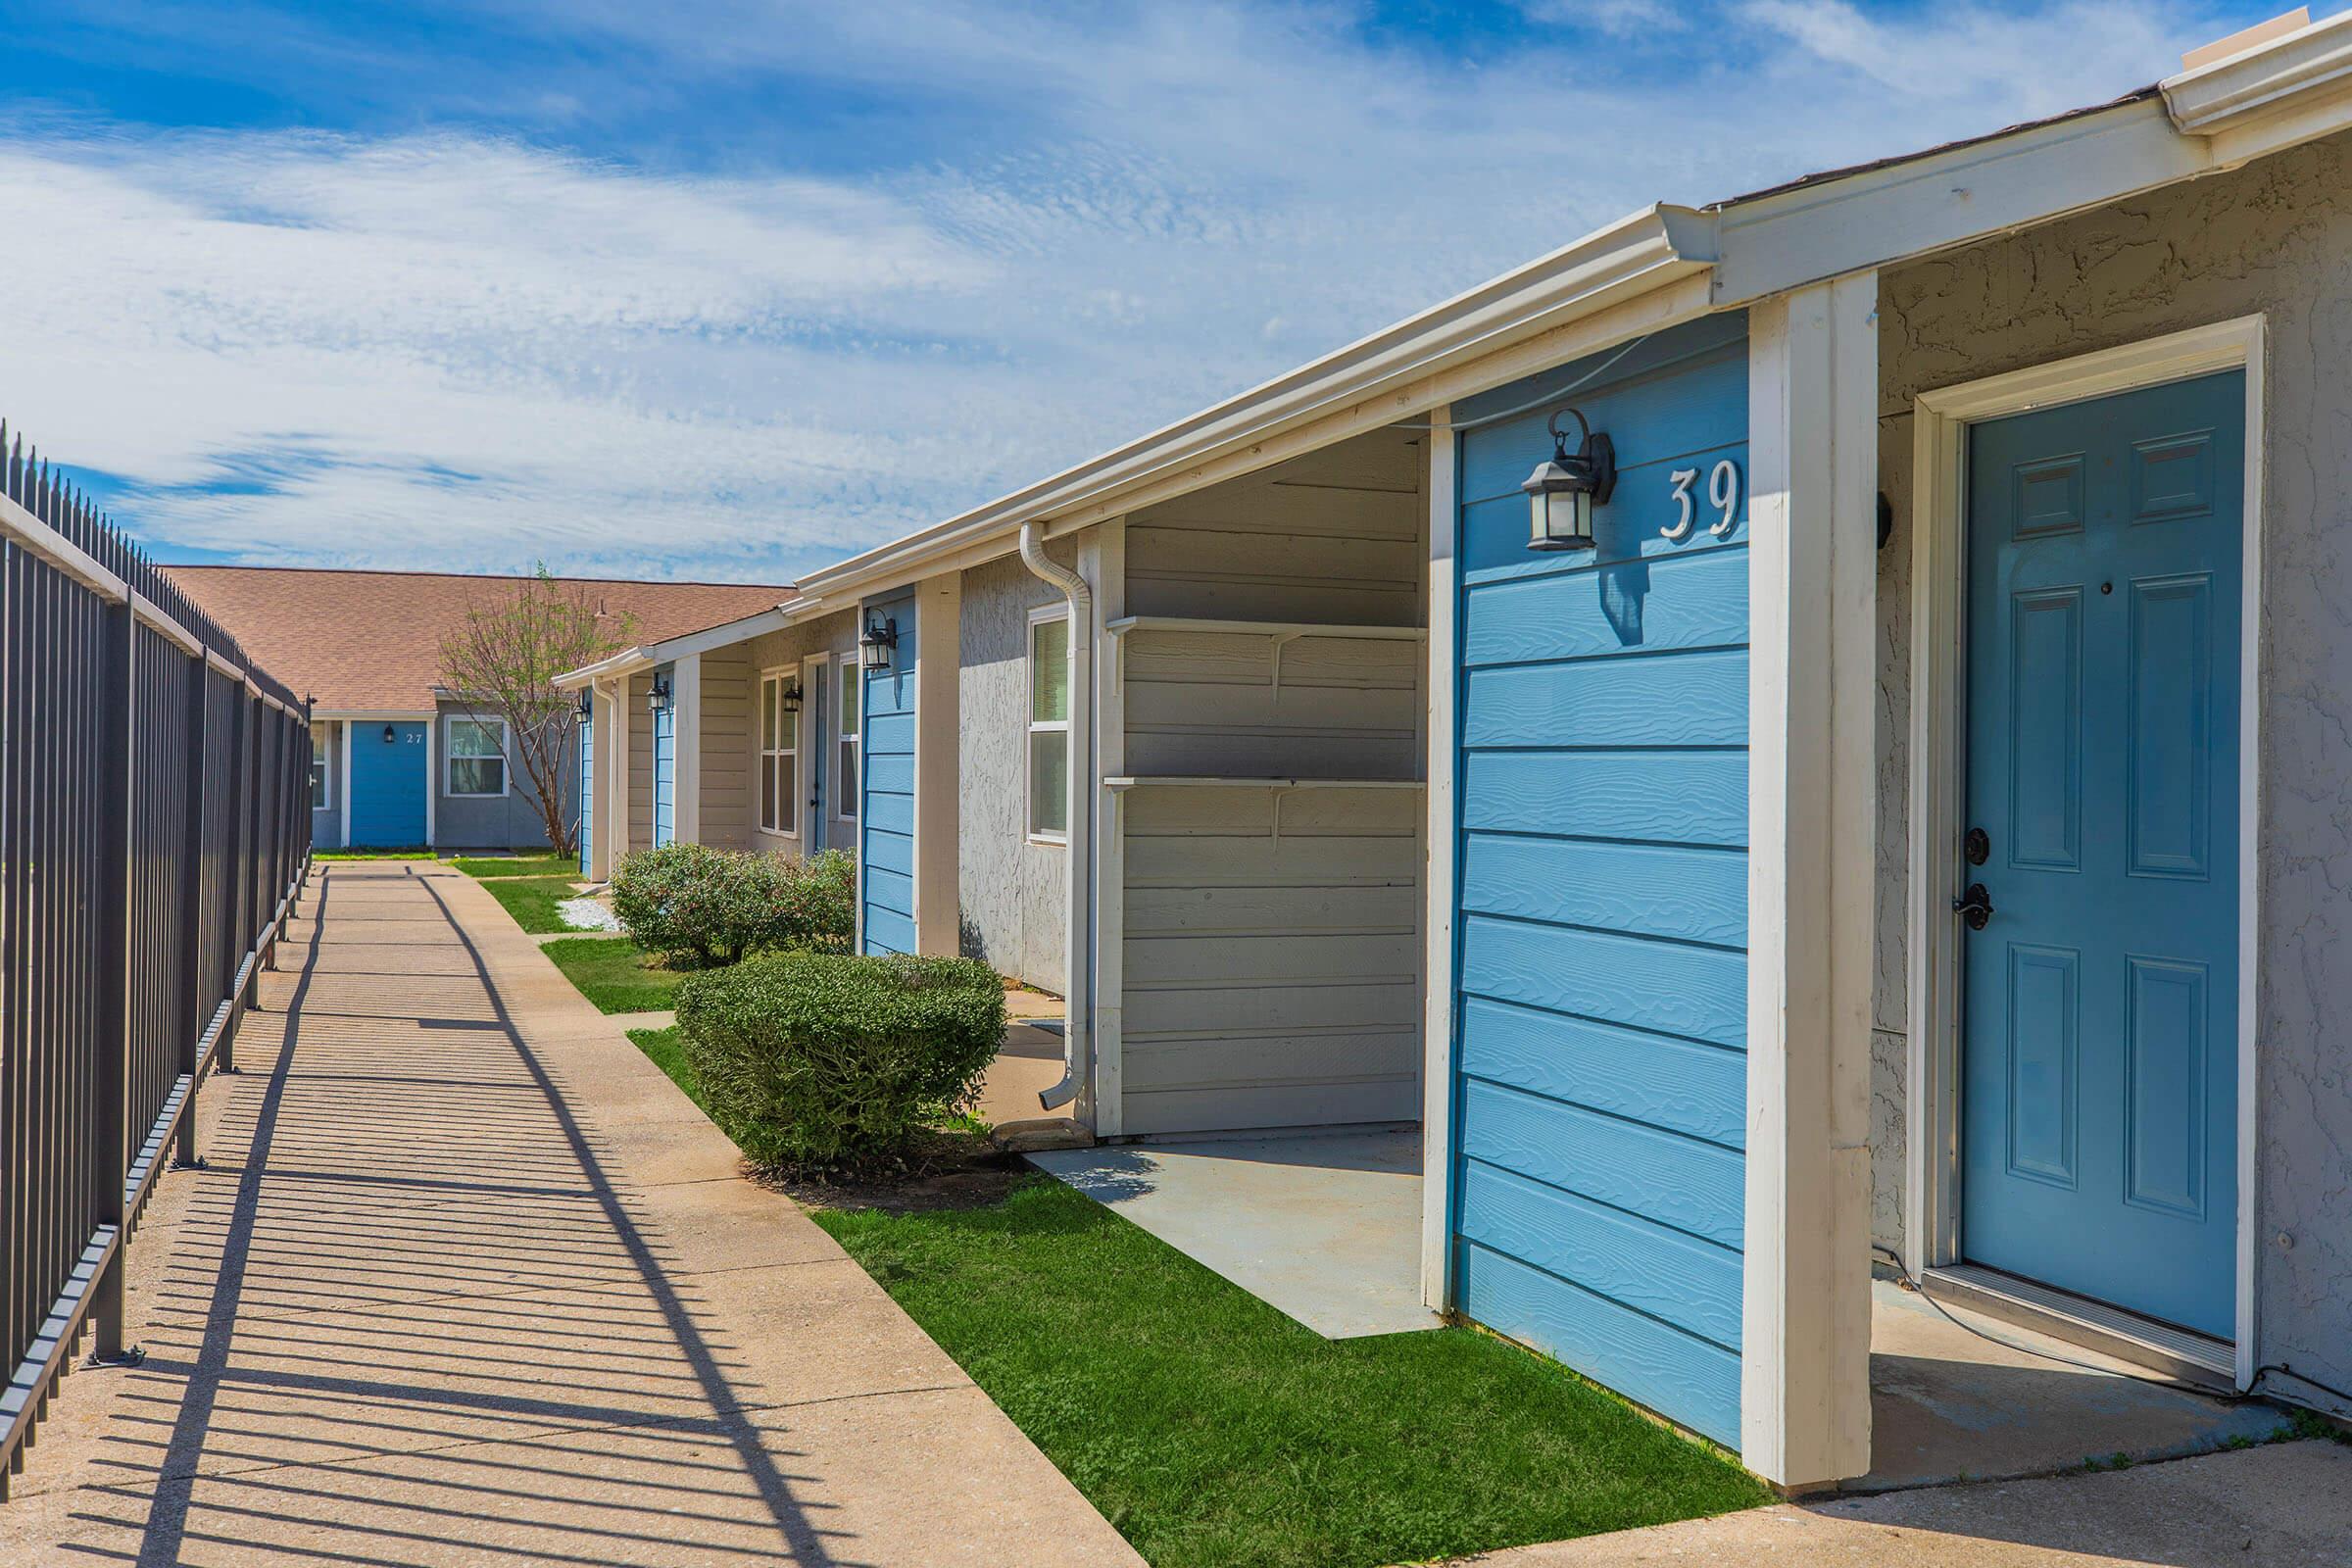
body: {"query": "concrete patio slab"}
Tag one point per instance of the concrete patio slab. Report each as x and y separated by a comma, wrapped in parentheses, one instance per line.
(1325, 1226)
(469, 1280)
(2285, 1505)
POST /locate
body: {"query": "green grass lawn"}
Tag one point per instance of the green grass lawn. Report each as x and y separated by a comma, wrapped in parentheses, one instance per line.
(532, 899)
(1216, 1433)
(489, 866)
(614, 973)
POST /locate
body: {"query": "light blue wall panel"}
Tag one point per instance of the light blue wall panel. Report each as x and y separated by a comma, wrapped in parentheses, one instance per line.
(1601, 971)
(587, 792)
(665, 767)
(886, 785)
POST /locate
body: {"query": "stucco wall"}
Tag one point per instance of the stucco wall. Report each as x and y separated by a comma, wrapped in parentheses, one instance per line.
(512, 821)
(1009, 889)
(2276, 238)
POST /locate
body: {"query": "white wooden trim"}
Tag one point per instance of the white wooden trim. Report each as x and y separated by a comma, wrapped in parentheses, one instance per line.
(1104, 567)
(1040, 615)
(1804, 1415)
(1939, 641)
(791, 821)
(938, 611)
(686, 762)
(1438, 881)
(815, 671)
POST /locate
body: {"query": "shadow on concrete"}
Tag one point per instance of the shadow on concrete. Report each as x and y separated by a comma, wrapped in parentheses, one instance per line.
(423, 1325)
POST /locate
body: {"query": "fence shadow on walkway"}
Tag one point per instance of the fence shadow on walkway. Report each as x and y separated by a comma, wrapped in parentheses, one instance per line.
(410, 1318)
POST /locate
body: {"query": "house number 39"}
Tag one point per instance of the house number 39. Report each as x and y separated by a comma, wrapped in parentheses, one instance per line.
(1723, 494)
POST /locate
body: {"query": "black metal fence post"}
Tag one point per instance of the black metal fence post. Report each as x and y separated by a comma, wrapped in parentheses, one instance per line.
(190, 935)
(111, 914)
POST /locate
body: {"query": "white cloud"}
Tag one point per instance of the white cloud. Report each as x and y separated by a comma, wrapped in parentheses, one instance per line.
(453, 348)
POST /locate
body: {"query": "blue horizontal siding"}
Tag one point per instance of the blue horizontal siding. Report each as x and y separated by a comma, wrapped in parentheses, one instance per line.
(1692, 1284)
(1600, 977)
(1696, 798)
(886, 790)
(1694, 1187)
(1679, 1085)
(1677, 1374)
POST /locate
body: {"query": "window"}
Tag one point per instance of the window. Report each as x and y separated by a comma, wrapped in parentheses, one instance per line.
(779, 751)
(322, 769)
(477, 756)
(852, 687)
(1050, 725)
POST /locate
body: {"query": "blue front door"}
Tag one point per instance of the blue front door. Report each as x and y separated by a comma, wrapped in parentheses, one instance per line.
(389, 775)
(2099, 1102)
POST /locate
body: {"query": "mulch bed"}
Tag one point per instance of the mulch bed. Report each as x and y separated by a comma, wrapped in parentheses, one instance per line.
(944, 1170)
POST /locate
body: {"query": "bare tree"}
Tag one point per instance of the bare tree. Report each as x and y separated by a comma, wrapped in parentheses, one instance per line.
(504, 660)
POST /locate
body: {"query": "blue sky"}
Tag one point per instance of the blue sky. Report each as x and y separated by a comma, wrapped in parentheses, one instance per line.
(732, 288)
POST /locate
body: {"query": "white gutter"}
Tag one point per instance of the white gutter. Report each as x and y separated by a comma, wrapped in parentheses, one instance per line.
(628, 661)
(1077, 1030)
(2278, 91)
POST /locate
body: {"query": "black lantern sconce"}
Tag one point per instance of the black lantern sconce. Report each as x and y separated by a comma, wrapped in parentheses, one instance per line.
(792, 698)
(1564, 489)
(587, 705)
(873, 649)
(658, 698)
(390, 734)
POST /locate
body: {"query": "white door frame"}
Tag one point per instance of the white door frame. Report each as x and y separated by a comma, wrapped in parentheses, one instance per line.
(816, 671)
(1938, 758)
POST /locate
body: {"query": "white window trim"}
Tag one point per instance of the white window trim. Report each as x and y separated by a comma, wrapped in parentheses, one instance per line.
(322, 758)
(849, 685)
(1038, 616)
(778, 675)
(1939, 673)
(450, 758)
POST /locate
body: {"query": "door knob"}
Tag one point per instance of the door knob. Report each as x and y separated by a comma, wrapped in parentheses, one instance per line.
(1975, 906)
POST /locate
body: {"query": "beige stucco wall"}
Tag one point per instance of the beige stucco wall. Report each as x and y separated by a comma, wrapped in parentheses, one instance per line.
(1010, 890)
(2276, 238)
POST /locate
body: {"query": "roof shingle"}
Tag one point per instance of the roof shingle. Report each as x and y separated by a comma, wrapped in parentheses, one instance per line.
(370, 641)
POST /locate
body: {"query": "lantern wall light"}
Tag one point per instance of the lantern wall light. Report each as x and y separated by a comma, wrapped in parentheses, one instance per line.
(873, 649)
(792, 698)
(390, 734)
(587, 705)
(1566, 487)
(658, 698)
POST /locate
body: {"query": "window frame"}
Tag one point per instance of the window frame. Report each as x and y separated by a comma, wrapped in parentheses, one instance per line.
(450, 758)
(1043, 614)
(323, 765)
(775, 680)
(849, 732)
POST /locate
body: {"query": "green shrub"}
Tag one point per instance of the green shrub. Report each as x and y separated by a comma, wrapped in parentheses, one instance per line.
(697, 907)
(825, 1062)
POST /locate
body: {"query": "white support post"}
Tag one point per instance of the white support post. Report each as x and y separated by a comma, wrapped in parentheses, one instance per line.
(938, 738)
(1436, 963)
(686, 710)
(1102, 562)
(1812, 706)
(618, 772)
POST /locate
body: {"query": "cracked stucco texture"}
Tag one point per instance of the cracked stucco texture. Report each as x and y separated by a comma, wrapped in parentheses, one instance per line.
(2273, 237)
(1011, 889)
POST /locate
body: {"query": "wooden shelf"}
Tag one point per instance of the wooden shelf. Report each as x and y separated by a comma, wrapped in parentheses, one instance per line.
(1282, 629)
(1227, 782)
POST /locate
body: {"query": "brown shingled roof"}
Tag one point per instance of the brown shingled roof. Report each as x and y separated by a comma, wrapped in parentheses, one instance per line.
(371, 640)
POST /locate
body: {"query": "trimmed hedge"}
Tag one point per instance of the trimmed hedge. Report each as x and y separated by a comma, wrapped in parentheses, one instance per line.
(696, 906)
(827, 1061)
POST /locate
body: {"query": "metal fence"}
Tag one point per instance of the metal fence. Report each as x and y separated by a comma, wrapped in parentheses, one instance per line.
(154, 827)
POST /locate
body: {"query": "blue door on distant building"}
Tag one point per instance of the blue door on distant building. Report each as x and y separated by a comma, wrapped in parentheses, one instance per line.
(390, 773)
(2099, 1098)
(587, 789)
(886, 831)
(1601, 984)
(666, 770)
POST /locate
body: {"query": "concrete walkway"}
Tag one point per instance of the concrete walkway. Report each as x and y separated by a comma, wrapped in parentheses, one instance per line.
(470, 1282)
(2285, 1505)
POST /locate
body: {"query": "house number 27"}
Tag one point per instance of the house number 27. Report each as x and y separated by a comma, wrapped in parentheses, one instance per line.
(1723, 494)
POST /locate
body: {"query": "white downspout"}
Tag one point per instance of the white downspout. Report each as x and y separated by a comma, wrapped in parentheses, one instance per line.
(1077, 1033)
